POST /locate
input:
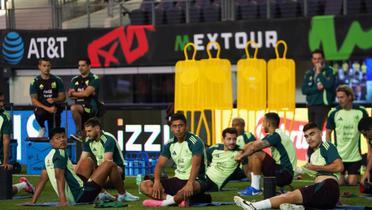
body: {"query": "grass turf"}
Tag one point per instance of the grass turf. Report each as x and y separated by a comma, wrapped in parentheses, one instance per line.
(49, 195)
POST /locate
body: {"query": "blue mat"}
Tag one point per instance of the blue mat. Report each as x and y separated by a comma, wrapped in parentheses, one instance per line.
(52, 204)
(19, 197)
(211, 204)
(343, 207)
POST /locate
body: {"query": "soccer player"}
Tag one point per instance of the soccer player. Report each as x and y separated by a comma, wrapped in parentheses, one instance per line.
(5, 132)
(282, 162)
(324, 193)
(365, 127)
(47, 93)
(188, 152)
(84, 91)
(70, 187)
(101, 146)
(221, 159)
(343, 120)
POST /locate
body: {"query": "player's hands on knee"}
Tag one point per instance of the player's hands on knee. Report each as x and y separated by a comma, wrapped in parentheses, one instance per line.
(188, 189)
(7, 166)
(157, 190)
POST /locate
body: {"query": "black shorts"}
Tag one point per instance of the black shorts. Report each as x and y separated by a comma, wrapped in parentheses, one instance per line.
(322, 195)
(172, 185)
(270, 168)
(352, 168)
(89, 192)
(207, 185)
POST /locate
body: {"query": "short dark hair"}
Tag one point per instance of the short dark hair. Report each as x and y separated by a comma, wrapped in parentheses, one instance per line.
(177, 116)
(273, 118)
(93, 122)
(44, 59)
(309, 126)
(317, 51)
(55, 131)
(86, 59)
(365, 124)
(230, 131)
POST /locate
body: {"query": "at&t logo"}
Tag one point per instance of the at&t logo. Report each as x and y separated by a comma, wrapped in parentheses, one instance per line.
(13, 48)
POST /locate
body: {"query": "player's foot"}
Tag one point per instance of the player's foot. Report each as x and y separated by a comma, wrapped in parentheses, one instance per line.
(246, 205)
(152, 203)
(289, 206)
(41, 132)
(106, 197)
(29, 188)
(249, 191)
(131, 197)
(184, 204)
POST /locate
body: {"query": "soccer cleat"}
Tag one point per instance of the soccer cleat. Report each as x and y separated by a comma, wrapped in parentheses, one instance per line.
(246, 205)
(152, 203)
(30, 188)
(127, 197)
(249, 191)
(289, 206)
(105, 197)
(184, 204)
(41, 132)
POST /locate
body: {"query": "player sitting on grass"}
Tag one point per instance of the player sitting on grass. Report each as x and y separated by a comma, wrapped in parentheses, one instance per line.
(69, 187)
(222, 164)
(324, 193)
(98, 147)
(282, 162)
(187, 151)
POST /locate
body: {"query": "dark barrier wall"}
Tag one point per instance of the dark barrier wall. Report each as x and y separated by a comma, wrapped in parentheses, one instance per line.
(341, 38)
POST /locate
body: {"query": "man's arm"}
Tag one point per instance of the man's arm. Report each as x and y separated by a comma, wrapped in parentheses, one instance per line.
(195, 167)
(82, 156)
(253, 147)
(37, 103)
(328, 80)
(90, 90)
(60, 98)
(6, 145)
(60, 177)
(157, 189)
(329, 135)
(108, 156)
(306, 89)
(367, 174)
(40, 185)
(334, 167)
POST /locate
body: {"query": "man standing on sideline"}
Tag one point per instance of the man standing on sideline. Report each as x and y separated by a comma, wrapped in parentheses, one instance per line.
(280, 165)
(323, 194)
(365, 127)
(343, 120)
(84, 91)
(188, 153)
(319, 87)
(47, 95)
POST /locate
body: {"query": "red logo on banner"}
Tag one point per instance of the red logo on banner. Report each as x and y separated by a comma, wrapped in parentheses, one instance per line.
(124, 38)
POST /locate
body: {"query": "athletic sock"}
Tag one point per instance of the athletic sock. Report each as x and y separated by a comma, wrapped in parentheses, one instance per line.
(265, 204)
(20, 186)
(169, 200)
(255, 183)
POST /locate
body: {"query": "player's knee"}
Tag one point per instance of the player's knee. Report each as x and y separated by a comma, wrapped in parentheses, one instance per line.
(75, 108)
(145, 186)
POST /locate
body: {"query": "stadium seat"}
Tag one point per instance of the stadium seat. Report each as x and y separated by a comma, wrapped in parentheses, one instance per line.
(195, 14)
(138, 17)
(333, 7)
(368, 6)
(175, 15)
(314, 7)
(247, 10)
(211, 13)
(354, 7)
(288, 9)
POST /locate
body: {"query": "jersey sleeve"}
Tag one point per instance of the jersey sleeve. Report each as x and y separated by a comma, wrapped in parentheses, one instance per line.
(251, 138)
(197, 148)
(95, 82)
(33, 88)
(110, 145)
(332, 154)
(86, 147)
(60, 85)
(166, 151)
(59, 159)
(72, 83)
(331, 125)
(273, 139)
(6, 128)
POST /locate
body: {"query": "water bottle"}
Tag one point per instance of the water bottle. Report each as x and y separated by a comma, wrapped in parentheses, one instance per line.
(138, 182)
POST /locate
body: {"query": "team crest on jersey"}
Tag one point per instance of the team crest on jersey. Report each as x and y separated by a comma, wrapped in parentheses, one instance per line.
(41, 86)
(54, 85)
(87, 82)
(76, 83)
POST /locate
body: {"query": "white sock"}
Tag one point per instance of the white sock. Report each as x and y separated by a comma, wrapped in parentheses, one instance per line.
(255, 183)
(265, 204)
(121, 195)
(169, 200)
(20, 186)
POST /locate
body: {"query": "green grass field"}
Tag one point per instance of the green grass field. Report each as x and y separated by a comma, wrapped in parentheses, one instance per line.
(231, 189)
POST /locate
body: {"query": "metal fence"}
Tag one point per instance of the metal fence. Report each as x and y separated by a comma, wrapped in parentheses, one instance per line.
(65, 14)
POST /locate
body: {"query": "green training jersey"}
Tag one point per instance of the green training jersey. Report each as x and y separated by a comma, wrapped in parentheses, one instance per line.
(79, 84)
(244, 139)
(222, 164)
(5, 129)
(106, 143)
(43, 89)
(57, 158)
(181, 153)
(282, 150)
(344, 123)
(325, 155)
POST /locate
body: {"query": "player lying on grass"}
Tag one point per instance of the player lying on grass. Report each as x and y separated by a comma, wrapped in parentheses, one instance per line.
(188, 152)
(324, 193)
(70, 188)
